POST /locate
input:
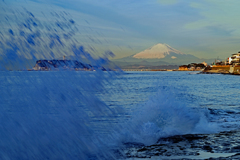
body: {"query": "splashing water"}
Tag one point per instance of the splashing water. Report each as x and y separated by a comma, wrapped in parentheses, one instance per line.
(163, 115)
(48, 115)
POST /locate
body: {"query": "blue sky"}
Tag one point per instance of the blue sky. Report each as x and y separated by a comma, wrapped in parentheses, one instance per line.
(204, 28)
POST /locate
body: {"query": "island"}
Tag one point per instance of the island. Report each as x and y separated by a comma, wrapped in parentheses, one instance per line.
(53, 65)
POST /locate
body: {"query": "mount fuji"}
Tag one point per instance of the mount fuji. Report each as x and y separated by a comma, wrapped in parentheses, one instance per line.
(157, 55)
(158, 51)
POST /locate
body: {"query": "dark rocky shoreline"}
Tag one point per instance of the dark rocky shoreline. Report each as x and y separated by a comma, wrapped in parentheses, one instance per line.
(223, 145)
(222, 69)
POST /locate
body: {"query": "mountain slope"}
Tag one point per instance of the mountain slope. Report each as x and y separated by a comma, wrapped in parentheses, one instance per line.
(157, 51)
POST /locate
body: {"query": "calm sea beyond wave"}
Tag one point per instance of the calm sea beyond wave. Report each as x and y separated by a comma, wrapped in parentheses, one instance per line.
(117, 115)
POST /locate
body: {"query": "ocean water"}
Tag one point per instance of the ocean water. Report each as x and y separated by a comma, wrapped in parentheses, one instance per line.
(91, 115)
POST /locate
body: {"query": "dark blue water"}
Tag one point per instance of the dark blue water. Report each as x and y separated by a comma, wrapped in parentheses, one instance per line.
(84, 115)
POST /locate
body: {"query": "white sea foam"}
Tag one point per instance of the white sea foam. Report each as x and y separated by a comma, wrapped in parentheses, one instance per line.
(163, 115)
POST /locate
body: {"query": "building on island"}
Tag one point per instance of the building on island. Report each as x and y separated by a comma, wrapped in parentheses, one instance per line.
(193, 67)
(234, 59)
(183, 68)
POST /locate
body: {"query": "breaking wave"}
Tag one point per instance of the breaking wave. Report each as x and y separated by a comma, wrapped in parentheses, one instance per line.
(163, 115)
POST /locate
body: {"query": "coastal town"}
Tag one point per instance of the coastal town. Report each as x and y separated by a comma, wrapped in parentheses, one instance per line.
(231, 65)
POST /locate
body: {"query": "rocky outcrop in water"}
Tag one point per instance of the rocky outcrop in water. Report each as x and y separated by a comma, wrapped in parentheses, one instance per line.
(223, 145)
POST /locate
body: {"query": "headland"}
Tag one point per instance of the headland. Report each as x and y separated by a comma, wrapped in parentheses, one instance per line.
(229, 66)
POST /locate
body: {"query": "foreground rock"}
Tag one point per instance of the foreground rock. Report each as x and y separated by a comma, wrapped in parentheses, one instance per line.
(224, 145)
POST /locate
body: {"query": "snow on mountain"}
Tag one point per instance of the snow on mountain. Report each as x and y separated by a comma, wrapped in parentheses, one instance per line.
(158, 51)
(156, 56)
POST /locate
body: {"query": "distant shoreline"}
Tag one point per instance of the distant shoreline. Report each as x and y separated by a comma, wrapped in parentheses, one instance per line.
(168, 70)
(135, 70)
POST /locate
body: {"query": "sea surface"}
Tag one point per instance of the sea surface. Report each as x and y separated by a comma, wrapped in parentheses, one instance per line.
(91, 115)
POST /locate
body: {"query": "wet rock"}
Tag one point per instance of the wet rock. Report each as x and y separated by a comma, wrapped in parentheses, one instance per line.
(179, 138)
(161, 150)
(141, 156)
(143, 149)
(185, 145)
(225, 144)
(173, 139)
(133, 144)
(182, 148)
(236, 147)
(226, 149)
(157, 154)
(236, 156)
(207, 143)
(208, 148)
(194, 146)
(168, 154)
(191, 137)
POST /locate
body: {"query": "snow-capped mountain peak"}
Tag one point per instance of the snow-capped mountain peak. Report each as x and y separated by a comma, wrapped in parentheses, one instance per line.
(157, 51)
